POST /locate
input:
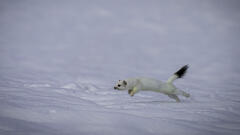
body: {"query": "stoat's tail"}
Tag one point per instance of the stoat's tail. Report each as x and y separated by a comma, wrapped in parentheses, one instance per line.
(179, 74)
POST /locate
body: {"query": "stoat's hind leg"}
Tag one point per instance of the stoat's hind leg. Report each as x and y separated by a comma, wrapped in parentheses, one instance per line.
(174, 97)
(185, 94)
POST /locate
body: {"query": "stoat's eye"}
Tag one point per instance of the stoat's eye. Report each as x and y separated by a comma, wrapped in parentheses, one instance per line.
(119, 85)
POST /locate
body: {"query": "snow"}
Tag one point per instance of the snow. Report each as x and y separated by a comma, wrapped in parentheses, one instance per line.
(61, 59)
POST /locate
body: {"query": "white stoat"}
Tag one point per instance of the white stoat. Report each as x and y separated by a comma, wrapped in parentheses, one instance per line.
(134, 85)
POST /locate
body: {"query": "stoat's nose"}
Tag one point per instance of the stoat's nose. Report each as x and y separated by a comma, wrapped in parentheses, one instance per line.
(115, 87)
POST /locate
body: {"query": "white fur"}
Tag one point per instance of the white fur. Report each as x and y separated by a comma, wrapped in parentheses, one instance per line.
(135, 85)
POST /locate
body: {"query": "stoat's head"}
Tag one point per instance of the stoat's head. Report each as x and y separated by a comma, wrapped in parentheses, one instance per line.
(121, 85)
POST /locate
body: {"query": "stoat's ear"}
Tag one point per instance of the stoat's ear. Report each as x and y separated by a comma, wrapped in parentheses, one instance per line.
(124, 82)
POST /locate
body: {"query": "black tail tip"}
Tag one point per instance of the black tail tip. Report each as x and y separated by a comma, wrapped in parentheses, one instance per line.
(181, 72)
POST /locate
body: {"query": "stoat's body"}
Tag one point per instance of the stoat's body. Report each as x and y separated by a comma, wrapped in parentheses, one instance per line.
(134, 85)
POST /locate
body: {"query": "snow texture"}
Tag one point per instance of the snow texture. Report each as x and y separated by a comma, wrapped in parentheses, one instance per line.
(59, 61)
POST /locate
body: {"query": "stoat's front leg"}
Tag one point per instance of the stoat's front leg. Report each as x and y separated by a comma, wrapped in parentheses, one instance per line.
(133, 91)
(129, 91)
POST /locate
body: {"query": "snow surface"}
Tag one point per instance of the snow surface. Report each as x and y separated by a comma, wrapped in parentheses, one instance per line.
(61, 59)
